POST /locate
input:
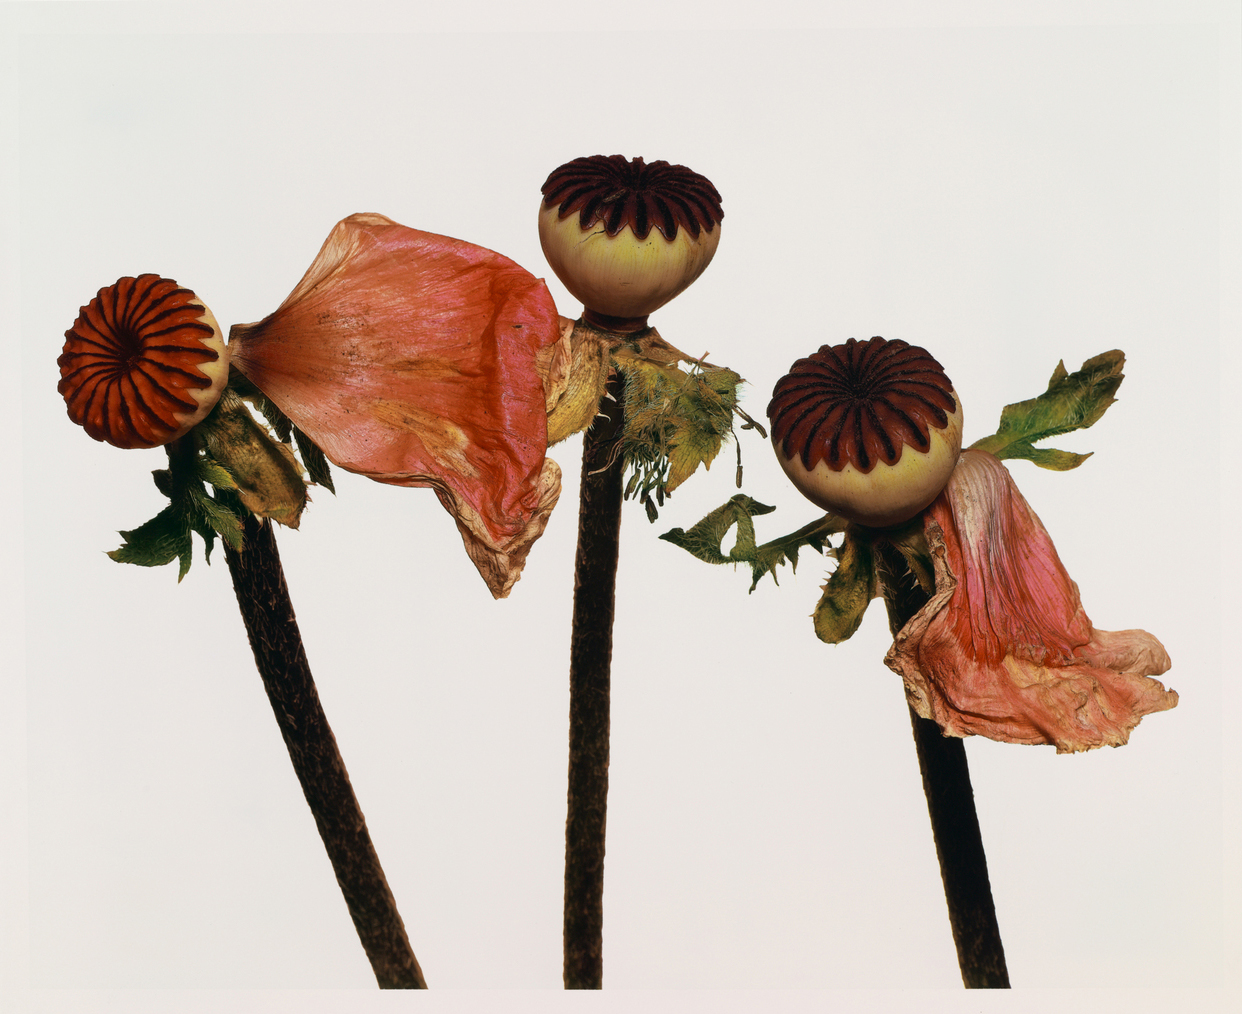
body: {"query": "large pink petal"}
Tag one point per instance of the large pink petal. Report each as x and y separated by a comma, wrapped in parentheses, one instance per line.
(410, 358)
(1003, 649)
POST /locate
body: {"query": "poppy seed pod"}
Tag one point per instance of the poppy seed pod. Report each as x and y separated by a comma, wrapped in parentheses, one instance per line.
(143, 364)
(625, 236)
(868, 430)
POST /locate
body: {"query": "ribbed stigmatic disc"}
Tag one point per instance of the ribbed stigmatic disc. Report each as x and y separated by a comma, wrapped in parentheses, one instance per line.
(860, 403)
(131, 362)
(618, 192)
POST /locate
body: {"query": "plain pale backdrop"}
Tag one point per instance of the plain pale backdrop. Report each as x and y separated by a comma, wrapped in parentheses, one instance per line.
(1007, 185)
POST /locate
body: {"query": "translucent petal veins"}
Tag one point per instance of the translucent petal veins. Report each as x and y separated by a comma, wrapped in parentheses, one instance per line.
(413, 358)
(619, 192)
(860, 403)
(131, 369)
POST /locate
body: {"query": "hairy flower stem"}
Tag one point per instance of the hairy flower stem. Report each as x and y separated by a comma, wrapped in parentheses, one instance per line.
(263, 597)
(590, 660)
(951, 805)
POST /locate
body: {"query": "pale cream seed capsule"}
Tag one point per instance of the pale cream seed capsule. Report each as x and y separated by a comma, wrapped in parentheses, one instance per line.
(868, 430)
(625, 237)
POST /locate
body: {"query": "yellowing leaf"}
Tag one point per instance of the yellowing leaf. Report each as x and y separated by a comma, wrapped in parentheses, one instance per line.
(674, 421)
(847, 592)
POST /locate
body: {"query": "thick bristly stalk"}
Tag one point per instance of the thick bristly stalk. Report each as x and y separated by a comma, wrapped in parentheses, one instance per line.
(263, 597)
(590, 660)
(951, 805)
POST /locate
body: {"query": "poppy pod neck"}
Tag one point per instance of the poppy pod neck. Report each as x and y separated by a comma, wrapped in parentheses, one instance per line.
(143, 364)
(625, 236)
(868, 430)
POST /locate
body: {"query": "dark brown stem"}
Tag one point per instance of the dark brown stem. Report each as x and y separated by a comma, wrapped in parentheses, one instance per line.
(263, 597)
(590, 660)
(951, 805)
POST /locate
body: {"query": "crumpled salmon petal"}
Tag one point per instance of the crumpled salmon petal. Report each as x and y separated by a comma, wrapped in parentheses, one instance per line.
(1003, 648)
(411, 358)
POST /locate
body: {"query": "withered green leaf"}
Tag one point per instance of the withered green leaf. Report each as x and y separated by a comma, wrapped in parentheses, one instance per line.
(674, 421)
(166, 537)
(266, 474)
(773, 554)
(848, 591)
(705, 538)
(1073, 401)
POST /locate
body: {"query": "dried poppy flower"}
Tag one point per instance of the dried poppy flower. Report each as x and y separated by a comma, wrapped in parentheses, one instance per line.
(868, 430)
(411, 358)
(626, 236)
(144, 363)
(1003, 648)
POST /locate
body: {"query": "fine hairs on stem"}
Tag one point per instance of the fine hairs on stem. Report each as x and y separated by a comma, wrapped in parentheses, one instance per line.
(951, 806)
(263, 597)
(595, 577)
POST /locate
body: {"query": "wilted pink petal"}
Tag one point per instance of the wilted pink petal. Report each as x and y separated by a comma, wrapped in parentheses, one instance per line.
(410, 358)
(1003, 649)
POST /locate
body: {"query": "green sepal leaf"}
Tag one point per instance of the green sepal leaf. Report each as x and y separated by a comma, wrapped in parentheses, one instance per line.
(164, 482)
(213, 518)
(705, 538)
(166, 537)
(207, 533)
(209, 470)
(281, 426)
(314, 461)
(773, 554)
(192, 509)
(248, 470)
(848, 591)
(1073, 401)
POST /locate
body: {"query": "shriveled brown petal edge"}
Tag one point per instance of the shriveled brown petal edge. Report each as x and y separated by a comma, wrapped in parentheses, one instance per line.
(499, 563)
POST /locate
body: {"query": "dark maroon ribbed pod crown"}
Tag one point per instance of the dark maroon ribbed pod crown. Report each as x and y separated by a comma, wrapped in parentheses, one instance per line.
(860, 403)
(621, 192)
(132, 359)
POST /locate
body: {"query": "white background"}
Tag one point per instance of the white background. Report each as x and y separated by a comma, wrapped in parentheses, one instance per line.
(1007, 185)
